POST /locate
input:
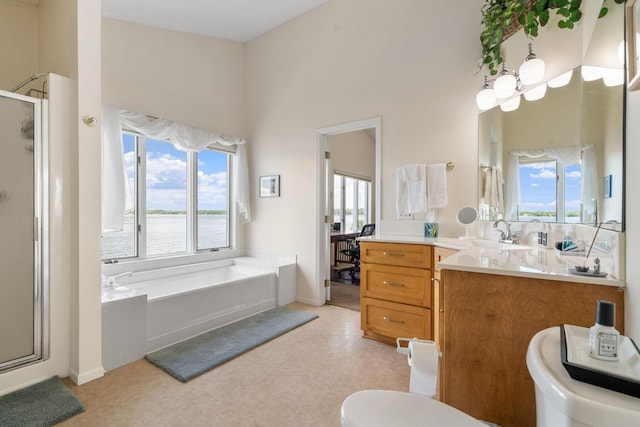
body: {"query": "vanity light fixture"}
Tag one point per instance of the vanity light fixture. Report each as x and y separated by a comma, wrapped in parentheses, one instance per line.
(613, 77)
(536, 93)
(486, 98)
(511, 105)
(510, 82)
(506, 84)
(532, 69)
(561, 80)
(591, 73)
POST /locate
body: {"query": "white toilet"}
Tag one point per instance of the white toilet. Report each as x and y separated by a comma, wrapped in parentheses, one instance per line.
(386, 408)
(562, 401)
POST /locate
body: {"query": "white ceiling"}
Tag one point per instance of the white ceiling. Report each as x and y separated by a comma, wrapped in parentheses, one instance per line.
(237, 20)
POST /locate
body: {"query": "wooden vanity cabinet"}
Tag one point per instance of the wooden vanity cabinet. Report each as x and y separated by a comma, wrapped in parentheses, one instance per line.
(439, 254)
(488, 321)
(396, 292)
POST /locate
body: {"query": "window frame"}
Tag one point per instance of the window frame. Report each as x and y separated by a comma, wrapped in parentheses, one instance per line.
(561, 171)
(342, 205)
(140, 198)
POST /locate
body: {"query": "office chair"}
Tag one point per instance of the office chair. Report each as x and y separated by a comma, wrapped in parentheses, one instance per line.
(353, 252)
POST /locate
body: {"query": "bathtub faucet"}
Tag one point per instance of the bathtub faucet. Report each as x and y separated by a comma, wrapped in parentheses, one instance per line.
(110, 281)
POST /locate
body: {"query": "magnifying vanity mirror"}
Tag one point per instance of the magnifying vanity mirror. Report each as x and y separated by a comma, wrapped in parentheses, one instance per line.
(467, 216)
(561, 158)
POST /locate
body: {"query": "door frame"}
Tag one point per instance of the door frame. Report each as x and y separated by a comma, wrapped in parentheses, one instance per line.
(323, 264)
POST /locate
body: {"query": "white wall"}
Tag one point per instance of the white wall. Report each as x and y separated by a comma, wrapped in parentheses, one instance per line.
(195, 80)
(410, 62)
(18, 42)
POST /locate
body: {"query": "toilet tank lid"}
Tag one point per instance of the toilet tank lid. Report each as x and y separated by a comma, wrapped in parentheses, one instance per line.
(589, 404)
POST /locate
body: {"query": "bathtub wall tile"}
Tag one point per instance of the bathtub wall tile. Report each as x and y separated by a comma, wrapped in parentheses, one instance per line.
(286, 284)
(285, 268)
(124, 331)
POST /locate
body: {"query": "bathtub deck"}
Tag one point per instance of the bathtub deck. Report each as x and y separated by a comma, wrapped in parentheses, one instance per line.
(181, 302)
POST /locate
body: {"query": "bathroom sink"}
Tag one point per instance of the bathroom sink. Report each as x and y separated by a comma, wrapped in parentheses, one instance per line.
(491, 244)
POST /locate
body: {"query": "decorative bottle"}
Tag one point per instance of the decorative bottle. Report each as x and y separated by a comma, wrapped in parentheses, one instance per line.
(603, 336)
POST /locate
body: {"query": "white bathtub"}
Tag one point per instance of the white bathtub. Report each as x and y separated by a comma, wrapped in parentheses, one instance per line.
(185, 301)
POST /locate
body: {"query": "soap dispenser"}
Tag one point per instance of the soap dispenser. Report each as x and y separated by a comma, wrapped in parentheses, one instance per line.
(603, 336)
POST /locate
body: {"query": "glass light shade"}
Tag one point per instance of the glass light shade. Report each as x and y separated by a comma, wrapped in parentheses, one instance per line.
(536, 93)
(622, 52)
(532, 71)
(486, 99)
(613, 77)
(561, 80)
(504, 86)
(511, 105)
(590, 73)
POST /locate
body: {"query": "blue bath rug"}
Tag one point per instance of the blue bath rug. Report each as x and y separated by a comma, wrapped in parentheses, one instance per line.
(44, 404)
(188, 359)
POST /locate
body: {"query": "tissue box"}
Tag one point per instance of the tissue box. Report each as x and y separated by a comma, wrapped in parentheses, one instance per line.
(430, 229)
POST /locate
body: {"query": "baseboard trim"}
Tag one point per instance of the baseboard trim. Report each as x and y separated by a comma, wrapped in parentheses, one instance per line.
(86, 377)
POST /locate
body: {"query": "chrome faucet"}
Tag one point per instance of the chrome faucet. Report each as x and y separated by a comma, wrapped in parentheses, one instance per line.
(506, 236)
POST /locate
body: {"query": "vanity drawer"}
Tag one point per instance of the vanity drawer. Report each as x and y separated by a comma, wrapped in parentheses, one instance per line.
(400, 254)
(399, 284)
(393, 320)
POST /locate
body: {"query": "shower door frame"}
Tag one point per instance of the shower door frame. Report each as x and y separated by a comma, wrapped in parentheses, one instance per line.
(40, 236)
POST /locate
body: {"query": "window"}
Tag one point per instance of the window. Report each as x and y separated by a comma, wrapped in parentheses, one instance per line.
(549, 191)
(351, 202)
(180, 201)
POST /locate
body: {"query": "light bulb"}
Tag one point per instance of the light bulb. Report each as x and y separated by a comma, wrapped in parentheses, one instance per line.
(613, 77)
(532, 71)
(561, 80)
(486, 99)
(536, 93)
(622, 51)
(511, 104)
(590, 73)
(505, 86)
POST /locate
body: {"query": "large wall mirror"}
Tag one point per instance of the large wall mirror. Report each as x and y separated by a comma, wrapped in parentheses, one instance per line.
(561, 157)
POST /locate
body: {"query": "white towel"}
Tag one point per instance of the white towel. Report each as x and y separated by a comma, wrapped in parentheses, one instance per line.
(437, 186)
(411, 189)
(492, 190)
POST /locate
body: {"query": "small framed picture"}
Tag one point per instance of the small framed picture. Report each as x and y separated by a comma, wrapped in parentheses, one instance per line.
(633, 44)
(606, 191)
(270, 186)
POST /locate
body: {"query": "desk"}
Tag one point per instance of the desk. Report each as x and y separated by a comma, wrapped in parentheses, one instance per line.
(339, 242)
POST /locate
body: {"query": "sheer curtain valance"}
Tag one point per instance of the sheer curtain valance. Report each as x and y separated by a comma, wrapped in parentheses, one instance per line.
(584, 155)
(115, 190)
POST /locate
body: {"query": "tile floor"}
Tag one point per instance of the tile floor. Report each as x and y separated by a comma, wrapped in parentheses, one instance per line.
(298, 379)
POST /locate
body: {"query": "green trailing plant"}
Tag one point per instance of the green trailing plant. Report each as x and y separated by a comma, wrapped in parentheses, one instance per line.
(499, 16)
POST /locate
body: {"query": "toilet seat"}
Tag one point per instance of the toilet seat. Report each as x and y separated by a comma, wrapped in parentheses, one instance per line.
(384, 408)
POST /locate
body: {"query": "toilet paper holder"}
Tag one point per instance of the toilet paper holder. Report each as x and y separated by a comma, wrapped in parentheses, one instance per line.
(407, 351)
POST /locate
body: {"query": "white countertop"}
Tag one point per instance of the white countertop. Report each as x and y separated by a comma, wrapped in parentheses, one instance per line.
(518, 260)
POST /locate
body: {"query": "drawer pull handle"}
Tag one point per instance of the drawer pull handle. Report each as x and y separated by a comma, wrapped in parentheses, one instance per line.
(392, 254)
(397, 285)
(388, 319)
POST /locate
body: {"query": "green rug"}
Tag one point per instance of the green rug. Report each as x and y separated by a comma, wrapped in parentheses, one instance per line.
(188, 359)
(43, 404)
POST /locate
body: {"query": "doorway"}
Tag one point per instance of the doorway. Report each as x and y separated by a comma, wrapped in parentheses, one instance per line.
(326, 138)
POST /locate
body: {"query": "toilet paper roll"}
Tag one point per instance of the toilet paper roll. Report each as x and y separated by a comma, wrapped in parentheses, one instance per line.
(423, 360)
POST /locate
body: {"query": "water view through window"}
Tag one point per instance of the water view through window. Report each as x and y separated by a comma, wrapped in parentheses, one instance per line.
(549, 192)
(163, 190)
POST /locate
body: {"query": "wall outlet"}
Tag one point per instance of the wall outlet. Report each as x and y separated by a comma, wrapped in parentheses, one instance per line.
(406, 216)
